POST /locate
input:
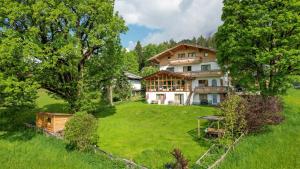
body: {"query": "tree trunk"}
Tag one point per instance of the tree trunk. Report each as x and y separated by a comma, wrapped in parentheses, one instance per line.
(109, 94)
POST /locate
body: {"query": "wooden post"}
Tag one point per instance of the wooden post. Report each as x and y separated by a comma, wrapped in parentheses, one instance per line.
(198, 128)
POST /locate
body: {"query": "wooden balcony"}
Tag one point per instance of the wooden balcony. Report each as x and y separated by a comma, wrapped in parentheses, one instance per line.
(210, 73)
(210, 89)
(190, 60)
(184, 61)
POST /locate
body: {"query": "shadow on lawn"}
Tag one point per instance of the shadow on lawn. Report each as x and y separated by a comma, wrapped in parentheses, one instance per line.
(24, 135)
(104, 111)
(202, 142)
(56, 108)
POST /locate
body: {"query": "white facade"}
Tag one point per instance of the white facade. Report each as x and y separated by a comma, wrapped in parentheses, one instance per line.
(169, 97)
(136, 85)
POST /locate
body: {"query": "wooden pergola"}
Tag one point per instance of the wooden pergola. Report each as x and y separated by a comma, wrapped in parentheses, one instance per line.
(166, 81)
(217, 131)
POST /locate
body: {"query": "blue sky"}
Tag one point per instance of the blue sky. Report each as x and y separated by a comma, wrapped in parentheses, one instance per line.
(134, 34)
(155, 21)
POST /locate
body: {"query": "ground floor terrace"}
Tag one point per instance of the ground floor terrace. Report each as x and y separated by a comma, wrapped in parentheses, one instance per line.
(165, 87)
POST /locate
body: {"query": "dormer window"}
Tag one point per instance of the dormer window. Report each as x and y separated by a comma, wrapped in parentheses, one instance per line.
(181, 55)
(190, 55)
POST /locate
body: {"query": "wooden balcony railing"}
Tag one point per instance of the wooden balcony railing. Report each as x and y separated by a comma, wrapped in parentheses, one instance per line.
(209, 73)
(211, 89)
(191, 60)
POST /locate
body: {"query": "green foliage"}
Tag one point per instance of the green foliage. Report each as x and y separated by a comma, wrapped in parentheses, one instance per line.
(17, 87)
(234, 109)
(59, 37)
(122, 88)
(259, 43)
(130, 62)
(148, 70)
(80, 131)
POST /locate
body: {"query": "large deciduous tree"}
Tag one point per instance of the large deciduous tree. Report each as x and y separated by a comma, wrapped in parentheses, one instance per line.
(61, 36)
(259, 43)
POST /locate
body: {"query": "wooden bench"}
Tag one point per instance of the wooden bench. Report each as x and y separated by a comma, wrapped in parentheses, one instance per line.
(215, 132)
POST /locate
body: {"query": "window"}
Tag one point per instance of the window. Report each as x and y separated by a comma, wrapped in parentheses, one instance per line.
(49, 119)
(215, 99)
(169, 57)
(187, 68)
(214, 83)
(181, 55)
(205, 54)
(190, 55)
(202, 83)
(171, 69)
(205, 67)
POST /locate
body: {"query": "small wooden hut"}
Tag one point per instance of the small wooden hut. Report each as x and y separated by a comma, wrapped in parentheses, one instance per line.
(52, 122)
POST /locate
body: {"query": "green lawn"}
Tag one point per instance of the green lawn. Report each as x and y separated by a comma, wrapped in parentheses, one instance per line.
(21, 148)
(147, 133)
(278, 147)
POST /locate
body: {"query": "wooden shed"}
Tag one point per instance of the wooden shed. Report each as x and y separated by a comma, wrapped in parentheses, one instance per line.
(52, 122)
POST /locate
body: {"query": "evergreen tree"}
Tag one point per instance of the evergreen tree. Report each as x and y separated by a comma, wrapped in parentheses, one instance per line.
(139, 52)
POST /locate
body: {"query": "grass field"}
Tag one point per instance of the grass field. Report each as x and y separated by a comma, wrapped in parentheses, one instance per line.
(25, 149)
(148, 133)
(276, 148)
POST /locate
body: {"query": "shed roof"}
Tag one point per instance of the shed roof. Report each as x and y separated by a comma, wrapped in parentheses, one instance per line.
(132, 76)
(212, 118)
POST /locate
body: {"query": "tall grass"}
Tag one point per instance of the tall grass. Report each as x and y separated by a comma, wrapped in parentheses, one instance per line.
(277, 147)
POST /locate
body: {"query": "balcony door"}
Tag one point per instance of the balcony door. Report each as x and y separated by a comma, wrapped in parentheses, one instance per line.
(214, 99)
(214, 83)
(202, 83)
(161, 98)
(179, 98)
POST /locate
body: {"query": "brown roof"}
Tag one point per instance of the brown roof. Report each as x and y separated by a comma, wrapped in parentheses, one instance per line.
(179, 75)
(177, 47)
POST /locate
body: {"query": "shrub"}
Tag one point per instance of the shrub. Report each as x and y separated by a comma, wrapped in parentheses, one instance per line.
(180, 161)
(262, 110)
(80, 131)
(233, 109)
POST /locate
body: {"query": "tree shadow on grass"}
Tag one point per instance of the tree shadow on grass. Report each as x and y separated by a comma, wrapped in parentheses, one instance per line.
(201, 141)
(104, 111)
(56, 108)
(25, 135)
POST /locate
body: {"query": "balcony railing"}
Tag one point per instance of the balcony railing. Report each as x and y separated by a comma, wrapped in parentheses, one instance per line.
(209, 73)
(191, 60)
(211, 89)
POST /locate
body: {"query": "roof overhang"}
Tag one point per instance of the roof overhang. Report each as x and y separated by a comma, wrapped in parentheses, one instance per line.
(167, 73)
(171, 51)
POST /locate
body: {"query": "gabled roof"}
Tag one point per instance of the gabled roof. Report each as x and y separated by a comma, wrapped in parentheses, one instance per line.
(166, 72)
(132, 76)
(171, 50)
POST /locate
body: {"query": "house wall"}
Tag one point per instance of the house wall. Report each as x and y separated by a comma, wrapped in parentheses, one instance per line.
(59, 122)
(164, 60)
(195, 67)
(196, 99)
(136, 84)
(170, 96)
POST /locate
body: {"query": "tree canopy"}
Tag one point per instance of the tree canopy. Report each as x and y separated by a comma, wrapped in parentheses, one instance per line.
(60, 36)
(259, 43)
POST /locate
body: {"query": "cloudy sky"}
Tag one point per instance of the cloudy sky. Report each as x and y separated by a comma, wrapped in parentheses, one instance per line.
(154, 21)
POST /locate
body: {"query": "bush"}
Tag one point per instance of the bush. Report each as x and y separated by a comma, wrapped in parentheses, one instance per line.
(180, 161)
(80, 131)
(233, 109)
(262, 110)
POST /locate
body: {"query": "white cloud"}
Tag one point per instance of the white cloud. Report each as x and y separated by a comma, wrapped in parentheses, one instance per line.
(131, 45)
(177, 19)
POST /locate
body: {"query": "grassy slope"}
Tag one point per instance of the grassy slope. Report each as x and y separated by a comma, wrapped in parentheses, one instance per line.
(25, 149)
(279, 147)
(147, 133)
